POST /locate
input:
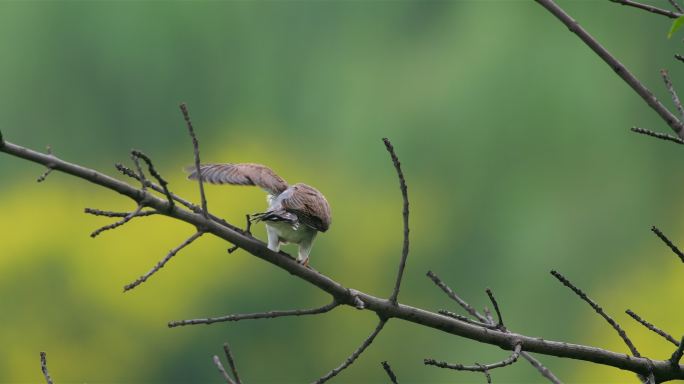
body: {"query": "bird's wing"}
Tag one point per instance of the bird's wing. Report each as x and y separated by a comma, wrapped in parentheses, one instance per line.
(310, 206)
(240, 174)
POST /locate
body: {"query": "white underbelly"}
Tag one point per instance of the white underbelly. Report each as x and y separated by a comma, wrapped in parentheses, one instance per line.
(287, 234)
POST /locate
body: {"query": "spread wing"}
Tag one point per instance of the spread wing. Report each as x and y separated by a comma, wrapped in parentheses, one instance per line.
(310, 206)
(240, 174)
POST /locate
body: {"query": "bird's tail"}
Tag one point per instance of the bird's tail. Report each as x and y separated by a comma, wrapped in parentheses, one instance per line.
(275, 216)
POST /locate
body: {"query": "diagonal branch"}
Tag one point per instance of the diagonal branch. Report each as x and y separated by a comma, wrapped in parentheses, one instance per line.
(657, 135)
(222, 370)
(350, 360)
(231, 363)
(259, 315)
(44, 368)
(390, 373)
(405, 214)
(620, 69)
(136, 213)
(155, 174)
(500, 324)
(479, 367)
(673, 93)
(468, 308)
(649, 8)
(662, 369)
(667, 242)
(652, 327)
(47, 172)
(99, 212)
(195, 146)
(163, 261)
(677, 355)
(676, 6)
(598, 310)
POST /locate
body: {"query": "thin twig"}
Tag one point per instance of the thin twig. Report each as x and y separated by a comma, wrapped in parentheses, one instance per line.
(225, 375)
(390, 373)
(673, 93)
(652, 327)
(44, 368)
(47, 172)
(479, 367)
(649, 8)
(598, 310)
(667, 242)
(163, 261)
(619, 69)
(658, 135)
(98, 212)
(195, 145)
(456, 316)
(500, 324)
(485, 371)
(119, 223)
(545, 372)
(162, 182)
(259, 315)
(350, 360)
(468, 308)
(676, 6)
(677, 355)
(231, 363)
(405, 214)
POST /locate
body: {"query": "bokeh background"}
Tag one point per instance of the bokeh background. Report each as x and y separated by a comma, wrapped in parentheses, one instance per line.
(515, 143)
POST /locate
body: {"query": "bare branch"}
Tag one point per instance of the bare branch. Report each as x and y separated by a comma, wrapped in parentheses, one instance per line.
(119, 223)
(231, 363)
(163, 261)
(657, 135)
(479, 367)
(247, 230)
(545, 372)
(156, 175)
(662, 369)
(598, 310)
(652, 327)
(43, 366)
(350, 360)
(225, 375)
(676, 6)
(488, 325)
(500, 324)
(468, 308)
(673, 93)
(405, 213)
(98, 212)
(390, 373)
(47, 172)
(677, 355)
(649, 8)
(620, 69)
(259, 315)
(667, 242)
(195, 145)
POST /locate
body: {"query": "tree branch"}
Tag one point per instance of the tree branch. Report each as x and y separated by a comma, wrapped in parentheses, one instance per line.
(259, 315)
(43, 361)
(479, 367)
(405, 214)
(390, 373)
(662, 369)
(652, 327)
(667, 242)
(350, 360)
(195, 146)
(163, 261)
(620, 69)
(222, 370)
(657, 135)
(231, 363)
(598, 310)
(649, 8)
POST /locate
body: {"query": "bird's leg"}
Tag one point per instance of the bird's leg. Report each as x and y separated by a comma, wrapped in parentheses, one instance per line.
(273, 240)
(305, 249)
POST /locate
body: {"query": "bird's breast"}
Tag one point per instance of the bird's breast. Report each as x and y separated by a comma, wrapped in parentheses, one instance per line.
(288, 234)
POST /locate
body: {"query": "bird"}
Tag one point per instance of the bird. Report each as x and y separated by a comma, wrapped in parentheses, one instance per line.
(296, 213)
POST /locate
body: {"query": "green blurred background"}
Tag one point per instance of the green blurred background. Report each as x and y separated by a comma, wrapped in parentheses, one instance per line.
(515, 143)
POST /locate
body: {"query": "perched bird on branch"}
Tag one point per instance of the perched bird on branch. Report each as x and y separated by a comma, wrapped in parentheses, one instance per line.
(296, 213)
